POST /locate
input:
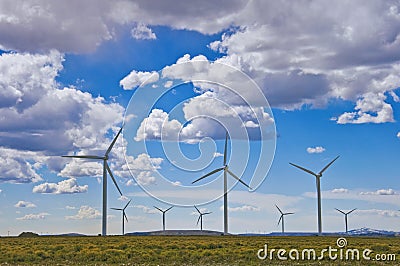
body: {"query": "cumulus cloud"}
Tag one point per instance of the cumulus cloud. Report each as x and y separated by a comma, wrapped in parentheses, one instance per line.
(340, 190)
(146, 209)
(317, 149)
(308, 62)
(137, 78)
(24, 204)
(380, 192)
(384, 213)
(371, 108)
(142, 32)
(33, 216)
(85, 212)
(39, 119)
(70, 207)
(69, 186)
(398, 134)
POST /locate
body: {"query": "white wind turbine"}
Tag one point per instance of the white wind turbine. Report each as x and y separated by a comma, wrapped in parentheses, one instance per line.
(226, 170)
(201, 214)
(163, 215)
(282, 218)
(318, 181)
(345, 216)
(106, 169)
(123, 216)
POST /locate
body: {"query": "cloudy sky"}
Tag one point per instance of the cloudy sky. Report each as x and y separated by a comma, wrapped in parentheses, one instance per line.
(72, 73)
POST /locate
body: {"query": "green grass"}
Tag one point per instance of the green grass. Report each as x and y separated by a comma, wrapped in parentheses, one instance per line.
(178, 250)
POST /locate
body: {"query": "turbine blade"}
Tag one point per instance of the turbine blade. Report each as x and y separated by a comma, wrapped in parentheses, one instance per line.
(126, 217)
(113, 179)
(116, 209)
(207, 213)
(340, 211)
(304, 169)
(168, 208)
(84, 157)
(352, 210)
(197, 209)
(158, 208)
(198, 220)
(329, 164)
(278, 209)
(280, 218)
(113, 142)
(210, 173)
(127, 204)
(226, 147)
(287, 213)
(238, 179)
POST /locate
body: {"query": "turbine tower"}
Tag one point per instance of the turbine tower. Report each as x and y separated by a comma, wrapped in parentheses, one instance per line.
(318, 181)
(201, 214)
(123, 216)
(345, 216)
(226, 170)
(282, 218)
(163, 215)
(106, 169)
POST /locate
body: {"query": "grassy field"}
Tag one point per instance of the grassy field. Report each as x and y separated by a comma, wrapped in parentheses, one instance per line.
(181, 250)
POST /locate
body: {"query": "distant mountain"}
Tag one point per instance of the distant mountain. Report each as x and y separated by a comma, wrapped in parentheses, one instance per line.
(355, 232)
(177, 233)
(371, 232)
(71, 234)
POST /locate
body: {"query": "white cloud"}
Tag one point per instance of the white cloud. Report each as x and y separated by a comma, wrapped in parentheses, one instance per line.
(340, 190)
(24, 204)
(85, 212)
(398, 134)
(123, 198)
(384, 213)
(142, 32)
(371, 108)
(27, 106)
(138, 78)
(146, 209)
(70, 207)
(386, 196)
(68, 186)
(157, 125)
(244, 208)
(176, 183)
(218, 154)
(32, 216)
(317, 149)
(380, 192)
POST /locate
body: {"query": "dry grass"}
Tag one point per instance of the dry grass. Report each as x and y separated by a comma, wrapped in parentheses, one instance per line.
(176, 250)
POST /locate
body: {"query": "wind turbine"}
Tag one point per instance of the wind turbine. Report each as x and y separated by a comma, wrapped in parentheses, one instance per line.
(201, 217)
(318, 180)
(106, 169)
(123, 216)
(163, 215)
(226, 170)
(345, 216)
(282, 218)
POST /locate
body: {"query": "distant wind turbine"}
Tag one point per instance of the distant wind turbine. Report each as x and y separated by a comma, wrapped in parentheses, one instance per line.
(226, 170)
(345, 216)
(123, 216)
(282, 218)
(106, 169)
(163, 215)
(318, 180)
(201, 214)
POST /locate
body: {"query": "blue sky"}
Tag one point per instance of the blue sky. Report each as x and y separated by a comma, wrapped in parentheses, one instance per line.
(69, 74)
